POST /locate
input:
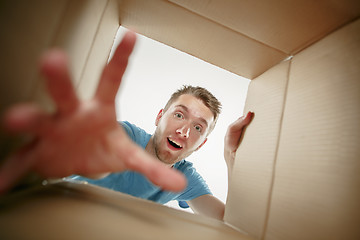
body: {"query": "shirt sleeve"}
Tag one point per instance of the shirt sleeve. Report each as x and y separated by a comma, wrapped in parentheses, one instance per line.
(128, 129)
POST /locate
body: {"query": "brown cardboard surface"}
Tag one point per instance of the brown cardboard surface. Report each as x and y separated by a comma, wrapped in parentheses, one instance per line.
(27, 29)
(100, 50)
(307, 189)
(199, 36)
(285, 25)
(77, 31)
(76, 36)
(251, 179)
(81, 211)
(316, 193)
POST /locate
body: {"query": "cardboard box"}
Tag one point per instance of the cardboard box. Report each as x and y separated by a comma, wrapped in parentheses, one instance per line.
(296, 174)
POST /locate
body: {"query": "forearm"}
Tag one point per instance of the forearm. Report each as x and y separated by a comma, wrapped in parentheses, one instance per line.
(233, 138)
(209, 206)
(229, 159)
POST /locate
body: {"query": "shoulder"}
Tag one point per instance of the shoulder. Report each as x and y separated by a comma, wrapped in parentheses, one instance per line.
(131, 129)
(185, 166)
(197, 186)
(190, 172)
(138, 135)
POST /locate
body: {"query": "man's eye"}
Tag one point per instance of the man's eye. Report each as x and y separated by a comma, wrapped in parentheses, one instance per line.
(198, 128)
(178, 115)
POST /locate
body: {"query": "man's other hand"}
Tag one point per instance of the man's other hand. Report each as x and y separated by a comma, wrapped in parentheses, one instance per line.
(234, 136)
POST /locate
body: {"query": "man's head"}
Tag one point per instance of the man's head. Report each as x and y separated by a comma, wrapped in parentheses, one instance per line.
(208, 99)
(184, 124)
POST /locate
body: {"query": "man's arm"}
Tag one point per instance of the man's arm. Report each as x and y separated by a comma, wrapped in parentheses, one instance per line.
(209, 205)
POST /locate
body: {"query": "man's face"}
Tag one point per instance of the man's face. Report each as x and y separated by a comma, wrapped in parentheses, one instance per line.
(182, 129)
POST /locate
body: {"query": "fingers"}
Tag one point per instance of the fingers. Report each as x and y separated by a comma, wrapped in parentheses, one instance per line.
(25, 118)
(235, 132)
(242, 122)
(113, 72)
(54, 66)
(249, 116)
(157, 172)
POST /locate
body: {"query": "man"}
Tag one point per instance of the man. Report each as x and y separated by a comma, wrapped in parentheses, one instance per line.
(84, 138)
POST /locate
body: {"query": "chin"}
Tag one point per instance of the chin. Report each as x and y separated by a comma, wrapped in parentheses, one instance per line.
(169, 161)
(164, 158)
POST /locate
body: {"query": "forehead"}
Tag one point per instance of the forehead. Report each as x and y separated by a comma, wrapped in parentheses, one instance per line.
(193, 106)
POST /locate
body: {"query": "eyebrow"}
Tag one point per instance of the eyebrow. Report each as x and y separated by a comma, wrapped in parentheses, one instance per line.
(187, 110)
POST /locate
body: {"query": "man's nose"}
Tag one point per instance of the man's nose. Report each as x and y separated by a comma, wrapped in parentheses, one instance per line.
(184, 131)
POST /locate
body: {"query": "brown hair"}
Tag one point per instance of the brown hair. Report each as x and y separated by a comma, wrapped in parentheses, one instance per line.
(201, 93)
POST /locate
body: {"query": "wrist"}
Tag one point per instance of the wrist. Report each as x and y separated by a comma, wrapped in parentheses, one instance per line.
(229, 157)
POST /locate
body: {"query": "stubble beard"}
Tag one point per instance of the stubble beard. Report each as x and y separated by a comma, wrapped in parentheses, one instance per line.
(159, 155)
(162, 156)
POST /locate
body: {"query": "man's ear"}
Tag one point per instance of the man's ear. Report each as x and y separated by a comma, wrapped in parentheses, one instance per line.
(202, 144)
(160, 114)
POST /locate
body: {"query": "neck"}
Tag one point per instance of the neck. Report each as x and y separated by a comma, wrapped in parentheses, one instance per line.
(150, 147)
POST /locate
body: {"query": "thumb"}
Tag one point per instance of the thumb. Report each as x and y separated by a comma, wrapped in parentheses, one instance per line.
(157, 172)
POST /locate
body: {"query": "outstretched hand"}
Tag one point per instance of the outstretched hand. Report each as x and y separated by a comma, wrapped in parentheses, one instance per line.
(234, 136)
(81, 137)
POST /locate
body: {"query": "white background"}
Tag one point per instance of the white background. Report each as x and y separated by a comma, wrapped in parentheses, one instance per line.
(155, 71)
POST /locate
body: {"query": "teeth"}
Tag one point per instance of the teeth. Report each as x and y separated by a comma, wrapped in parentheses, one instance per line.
(176, 143)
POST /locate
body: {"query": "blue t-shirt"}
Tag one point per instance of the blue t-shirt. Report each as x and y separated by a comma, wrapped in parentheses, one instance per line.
(137, 185)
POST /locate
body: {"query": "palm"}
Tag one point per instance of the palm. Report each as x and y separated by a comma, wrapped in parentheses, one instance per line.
(80, 137)
(83, 137)
(234, 136)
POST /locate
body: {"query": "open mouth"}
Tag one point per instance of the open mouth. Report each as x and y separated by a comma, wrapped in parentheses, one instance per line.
(174, 144)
